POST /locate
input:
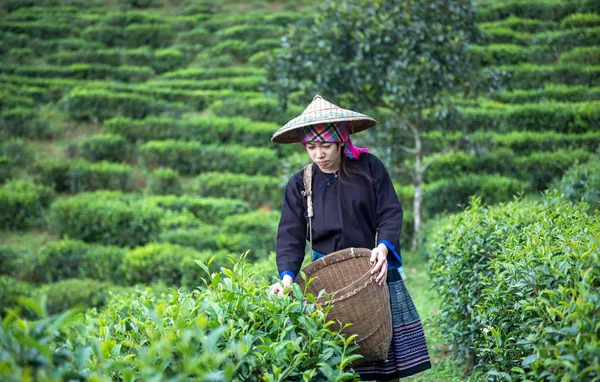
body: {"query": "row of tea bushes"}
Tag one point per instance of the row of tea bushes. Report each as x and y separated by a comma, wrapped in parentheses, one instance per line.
(582, 183)
(190, 157)
(234, 83)
(83, 71)
(78, 175)
(25, 123)
(103, 147)
(23, 203)
(231, 329)
(529, 76)
(538, 168)
(511, 54)
(534, 25)
(519, 289)
(236, 130)
(559, 40)
(200, 74)
(161, 60)
(523, 143)
(562, 117)
(52, 89)
(547, 10)
(257, 190)
(560, 93)
(211, 210)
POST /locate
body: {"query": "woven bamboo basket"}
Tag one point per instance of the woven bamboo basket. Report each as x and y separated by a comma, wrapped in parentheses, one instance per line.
(356, 298)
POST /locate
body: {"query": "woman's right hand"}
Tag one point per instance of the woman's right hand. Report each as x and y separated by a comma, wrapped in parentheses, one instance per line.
(279, 287)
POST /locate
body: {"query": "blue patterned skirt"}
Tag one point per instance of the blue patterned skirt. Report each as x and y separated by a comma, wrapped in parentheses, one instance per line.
(408, 352)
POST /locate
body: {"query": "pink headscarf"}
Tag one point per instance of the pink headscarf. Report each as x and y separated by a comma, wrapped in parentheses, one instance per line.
(332, 132)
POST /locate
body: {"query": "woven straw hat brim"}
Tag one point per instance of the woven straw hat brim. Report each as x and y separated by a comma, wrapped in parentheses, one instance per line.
(321, 111)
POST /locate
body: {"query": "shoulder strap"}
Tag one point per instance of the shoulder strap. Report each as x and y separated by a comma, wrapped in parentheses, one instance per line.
(308, 194)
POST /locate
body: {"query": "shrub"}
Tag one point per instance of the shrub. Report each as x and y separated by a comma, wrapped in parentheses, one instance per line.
(194, 157)
(520, 24)
(67, 294)
(68, 258)
(518, 288)
(24, 123)
(154, 35)
(17, 150)
(23, 203)
(248, 33)
(541, 168)
(107, 218)
(172, 264)
(166, 60)
(567, 39)
(257, 109)
(583, 55)
(105, 147)
(209, 210)
(560, 93)
(10, 290)
(259, 230)
(164, 181)
(208, 73)
(581, 20)
(528, 76)
(203, 238)
(552, 10)
(581, 182)
(256, 190)
(79, 175)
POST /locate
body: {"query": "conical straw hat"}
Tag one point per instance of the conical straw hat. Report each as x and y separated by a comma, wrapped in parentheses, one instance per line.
(321, 111)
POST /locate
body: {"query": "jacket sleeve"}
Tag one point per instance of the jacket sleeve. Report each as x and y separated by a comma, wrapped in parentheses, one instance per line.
(389, 212)
(291, 233)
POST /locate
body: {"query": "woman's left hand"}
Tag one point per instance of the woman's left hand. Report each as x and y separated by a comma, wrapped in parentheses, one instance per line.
(379, 266)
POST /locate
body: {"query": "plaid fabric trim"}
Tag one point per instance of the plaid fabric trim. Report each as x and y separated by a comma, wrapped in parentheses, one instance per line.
(324, 132)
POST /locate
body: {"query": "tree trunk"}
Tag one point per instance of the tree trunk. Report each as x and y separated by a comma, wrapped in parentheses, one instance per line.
(418, 184)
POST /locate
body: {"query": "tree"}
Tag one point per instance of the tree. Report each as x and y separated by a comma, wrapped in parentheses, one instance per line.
(408, 57)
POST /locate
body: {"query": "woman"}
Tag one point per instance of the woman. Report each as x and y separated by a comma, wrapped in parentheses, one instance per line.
(354, 205)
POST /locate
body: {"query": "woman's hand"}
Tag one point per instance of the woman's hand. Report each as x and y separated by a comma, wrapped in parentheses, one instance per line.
(279, 287)
(379, 266)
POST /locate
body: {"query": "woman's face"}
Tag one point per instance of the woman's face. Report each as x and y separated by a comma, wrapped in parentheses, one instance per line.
(326, 155)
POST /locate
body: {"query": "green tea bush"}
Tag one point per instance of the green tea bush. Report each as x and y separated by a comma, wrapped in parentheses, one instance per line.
(560, 93)
(230, 329)
(53, 89)
(540, 168)
(519, 24)
(589, 55)
(104, 147)
(203, 238)
(24, 123)
(239, 50)
(68, 258)
(98, 104)
(8, 169)
(235, 130)
(194, 157)
(172, 264)
(259, 230)
(567, 39)
(83, 72)
(68, 294)
(164, 181)
(519, 291)
(581, 20)
(581, 182)
(257, 109)
(503, 35)
(79, 175)
(551, 10)
(529, 76)
(208, 73)
(10, 290)
(19, 56)
(17, 150)
(13, 101)
(242, 84)
(209, 210)
(257, 190)
(249, 33)
(179, 219)
(38, 29)
(154, 35)
(166, 60)
(105, 217)
(23, 203)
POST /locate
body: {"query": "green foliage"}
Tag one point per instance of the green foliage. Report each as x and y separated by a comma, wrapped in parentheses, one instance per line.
(518, 285)
(581, 20)
(528, 76)
(582, 55)
(17, 150)
(69, 258)
(83, 72)
(256, 190)
(166, 60)
(78, 175)
(10, 290)
(24, 123)
(164, 181)
(231, 329)
(236, 130)
(22, 203)
(581, 182)
(209, 210)
(532, 25)
(561, 93)
(170, 263)
(108, 218)
(566, 40)
(67, 294)
(104, 147)
(257, 109)
(259, 231)
(551, 10)
(193, 157)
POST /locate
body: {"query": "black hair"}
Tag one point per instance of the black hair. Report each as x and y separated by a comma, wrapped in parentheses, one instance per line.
(350, 169)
